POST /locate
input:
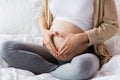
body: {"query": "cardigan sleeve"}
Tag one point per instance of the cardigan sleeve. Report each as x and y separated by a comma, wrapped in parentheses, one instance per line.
(107, 28)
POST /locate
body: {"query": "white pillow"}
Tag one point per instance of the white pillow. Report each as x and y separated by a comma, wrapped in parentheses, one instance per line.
(19, 17)
(113, 44)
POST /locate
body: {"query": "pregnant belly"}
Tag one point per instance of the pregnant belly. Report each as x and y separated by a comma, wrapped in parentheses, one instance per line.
(66, 27)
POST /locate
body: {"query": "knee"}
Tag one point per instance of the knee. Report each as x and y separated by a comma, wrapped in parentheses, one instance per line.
(87, 57)
(81, 68)
(87, 64)
(7, 48)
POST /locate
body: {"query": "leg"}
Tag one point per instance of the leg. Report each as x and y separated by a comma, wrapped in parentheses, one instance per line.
(28, 57)
(81, 67)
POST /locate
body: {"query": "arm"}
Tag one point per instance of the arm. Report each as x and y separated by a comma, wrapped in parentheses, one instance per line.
(42, 18)
(107, 28)
(46, 33)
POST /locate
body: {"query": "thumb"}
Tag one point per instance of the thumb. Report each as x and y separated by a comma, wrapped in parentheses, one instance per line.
(60, 34)
(53, 32)
(63, 35)
(57, 34)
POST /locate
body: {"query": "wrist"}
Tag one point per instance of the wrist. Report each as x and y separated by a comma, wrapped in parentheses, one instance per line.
(43, 30)
(84, 37)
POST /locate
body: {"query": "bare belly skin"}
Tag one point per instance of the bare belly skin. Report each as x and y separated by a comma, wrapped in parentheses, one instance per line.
(66, 27)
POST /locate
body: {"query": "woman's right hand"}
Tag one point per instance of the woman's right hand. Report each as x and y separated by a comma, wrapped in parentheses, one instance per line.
(48, 42)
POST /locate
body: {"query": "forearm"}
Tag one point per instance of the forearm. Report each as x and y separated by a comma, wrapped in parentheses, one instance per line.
(42, 18)
(106, 27)
(43, 24)
(101, 34)
(84, 37)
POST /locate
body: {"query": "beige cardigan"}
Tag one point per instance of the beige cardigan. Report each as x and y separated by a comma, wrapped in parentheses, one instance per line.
(105, 25)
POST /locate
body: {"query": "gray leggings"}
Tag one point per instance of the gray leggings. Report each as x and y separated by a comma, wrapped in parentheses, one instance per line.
(38, 59)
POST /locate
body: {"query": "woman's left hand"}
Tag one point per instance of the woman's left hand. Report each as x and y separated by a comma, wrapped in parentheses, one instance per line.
(71, 42)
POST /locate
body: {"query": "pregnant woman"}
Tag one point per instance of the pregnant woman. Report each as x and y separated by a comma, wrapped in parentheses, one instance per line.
(70, 29)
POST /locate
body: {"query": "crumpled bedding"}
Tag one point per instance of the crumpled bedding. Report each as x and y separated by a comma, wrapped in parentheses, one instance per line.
(110, 70)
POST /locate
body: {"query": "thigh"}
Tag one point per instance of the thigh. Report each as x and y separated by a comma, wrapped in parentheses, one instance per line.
(13, 46)
(31, 62)
(17, 56)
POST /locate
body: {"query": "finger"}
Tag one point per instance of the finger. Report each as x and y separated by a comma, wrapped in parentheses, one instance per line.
(51, 50)
(68, 53)
(48, 47)
(54, 33)
(51, 47)
(60, 34)
(57, 34)
(63, 35)
(64, 51)
(62, 47)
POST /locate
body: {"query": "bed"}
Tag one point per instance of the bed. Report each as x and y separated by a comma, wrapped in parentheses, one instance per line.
(19, 22)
